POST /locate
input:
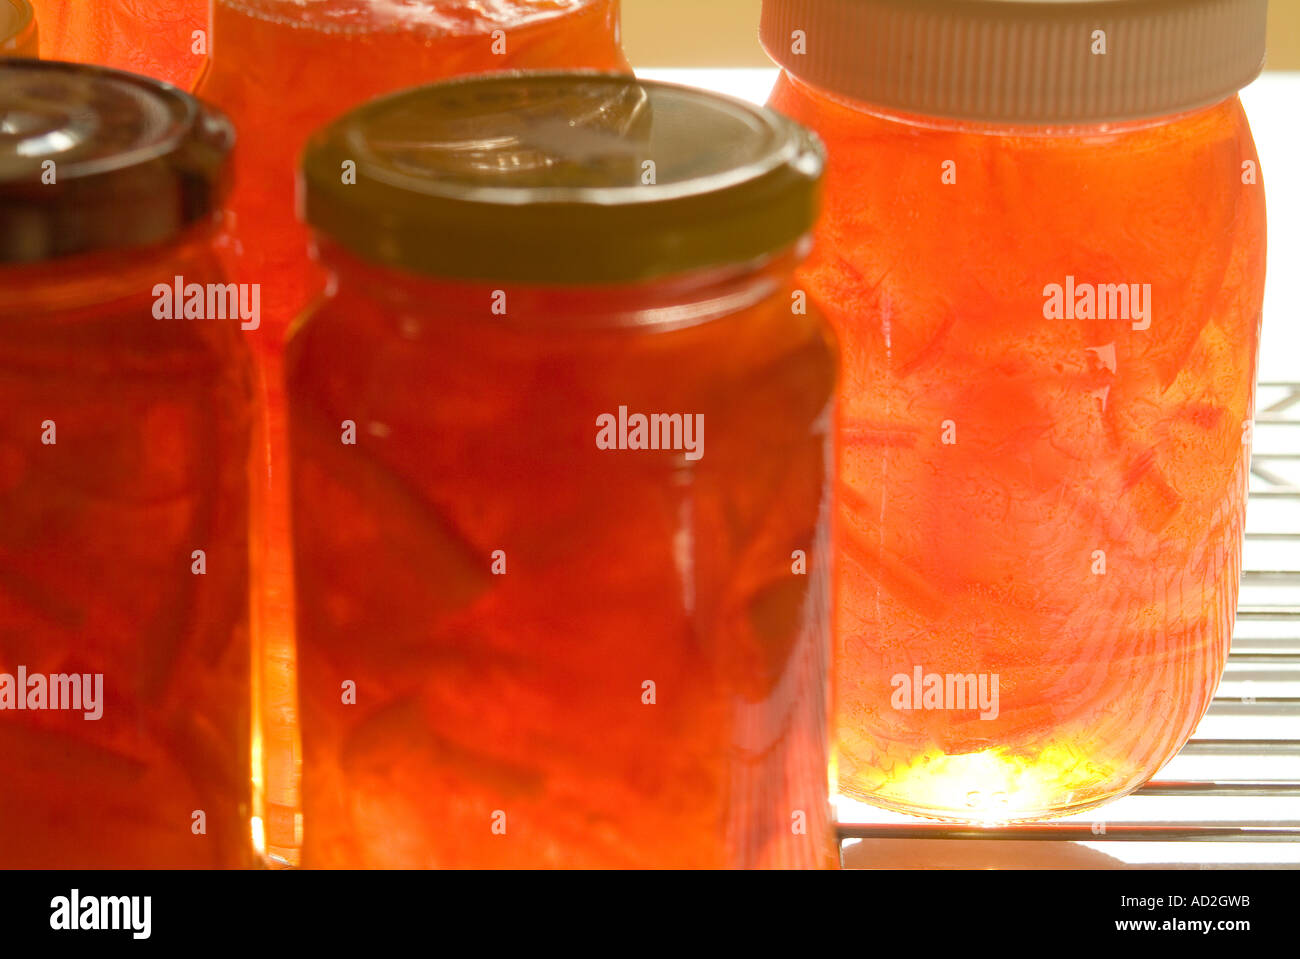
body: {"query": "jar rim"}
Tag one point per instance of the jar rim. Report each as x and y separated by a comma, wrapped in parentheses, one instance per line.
(1028, 131)
(658, 305)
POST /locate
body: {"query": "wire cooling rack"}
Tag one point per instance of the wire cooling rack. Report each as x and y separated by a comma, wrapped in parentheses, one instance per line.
(1231, 797)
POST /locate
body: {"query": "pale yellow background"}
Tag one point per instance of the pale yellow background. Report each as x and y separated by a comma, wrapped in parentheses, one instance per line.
(724, 33)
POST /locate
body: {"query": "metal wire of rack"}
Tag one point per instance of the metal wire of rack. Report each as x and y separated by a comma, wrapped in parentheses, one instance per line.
(1234, 789)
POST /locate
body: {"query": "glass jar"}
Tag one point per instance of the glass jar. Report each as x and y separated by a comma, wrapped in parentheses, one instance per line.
(266, 74)
(159, 38)
(1043, 252)
(534, 629)
(124, 484)
(265, 71)
(17, 29)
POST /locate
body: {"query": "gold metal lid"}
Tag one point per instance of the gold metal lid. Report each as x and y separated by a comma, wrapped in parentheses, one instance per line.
(561, 178)
(95, 159)
(1022, 61)
(17, 29)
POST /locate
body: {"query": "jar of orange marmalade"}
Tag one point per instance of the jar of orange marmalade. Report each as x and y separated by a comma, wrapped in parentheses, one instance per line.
(125, 419)
(265, 72)
(17, 29)
(282, 69)
(166, 39)
(559, 438)
(1043, 252)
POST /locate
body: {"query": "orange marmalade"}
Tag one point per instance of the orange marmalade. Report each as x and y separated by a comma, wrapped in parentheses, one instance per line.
(282, 69)
(166, 39)
(1047, 281)
(560, 432)
(124, 488)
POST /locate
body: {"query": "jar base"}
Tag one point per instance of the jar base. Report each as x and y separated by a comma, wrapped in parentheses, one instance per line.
(992, 786)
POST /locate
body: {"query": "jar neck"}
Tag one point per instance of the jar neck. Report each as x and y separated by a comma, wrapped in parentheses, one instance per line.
(957, 125)
(74, 283)
(661, 304)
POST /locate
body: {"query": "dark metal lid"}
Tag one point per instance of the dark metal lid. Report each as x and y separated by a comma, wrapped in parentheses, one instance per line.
(95, 159)
(570, 178)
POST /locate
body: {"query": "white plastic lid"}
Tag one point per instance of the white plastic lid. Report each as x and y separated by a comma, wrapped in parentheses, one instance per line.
(1022, 61)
